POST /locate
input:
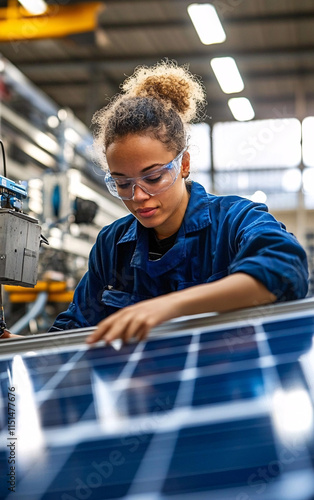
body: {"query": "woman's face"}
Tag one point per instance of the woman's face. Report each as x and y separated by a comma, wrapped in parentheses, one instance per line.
(136, 155)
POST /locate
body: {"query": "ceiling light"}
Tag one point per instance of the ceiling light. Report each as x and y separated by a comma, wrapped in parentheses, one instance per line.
(101, 37)
(53, 121)
(62, 115)
(35, 7)
(227, 74)
(71, 135)
(241, 108)
(207, 23)
(46, 142)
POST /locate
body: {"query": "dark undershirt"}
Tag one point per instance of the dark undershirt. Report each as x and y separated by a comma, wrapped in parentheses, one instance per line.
(157, 248)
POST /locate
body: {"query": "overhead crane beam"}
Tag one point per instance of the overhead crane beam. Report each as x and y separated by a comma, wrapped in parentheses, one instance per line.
(16, 24)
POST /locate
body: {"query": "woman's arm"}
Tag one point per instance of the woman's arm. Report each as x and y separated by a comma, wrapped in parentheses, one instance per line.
(236, 291)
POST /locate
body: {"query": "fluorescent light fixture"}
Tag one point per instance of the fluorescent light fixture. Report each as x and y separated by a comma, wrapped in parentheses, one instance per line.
(207, 23)
(44, 141)
(241, 108)
(101, 38)
(35, 7)
(227, 74)
(72, 136)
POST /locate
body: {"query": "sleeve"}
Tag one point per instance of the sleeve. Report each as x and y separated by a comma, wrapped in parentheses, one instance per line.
(265, 250)
(86, 309)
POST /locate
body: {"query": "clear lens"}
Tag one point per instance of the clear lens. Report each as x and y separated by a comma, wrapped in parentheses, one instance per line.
(154, 183)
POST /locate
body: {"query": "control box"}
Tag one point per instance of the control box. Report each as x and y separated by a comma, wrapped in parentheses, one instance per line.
(20, 237)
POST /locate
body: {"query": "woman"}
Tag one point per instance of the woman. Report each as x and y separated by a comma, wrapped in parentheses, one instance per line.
(180, 251)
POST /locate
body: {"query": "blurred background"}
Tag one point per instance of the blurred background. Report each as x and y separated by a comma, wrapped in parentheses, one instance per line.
(60, 61)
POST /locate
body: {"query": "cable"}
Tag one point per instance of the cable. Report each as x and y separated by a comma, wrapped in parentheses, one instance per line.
(2, 320)
(3, 158)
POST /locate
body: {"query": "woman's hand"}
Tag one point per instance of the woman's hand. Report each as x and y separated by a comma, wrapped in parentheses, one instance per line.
(135, 321)
(233, 292)
(7, 335)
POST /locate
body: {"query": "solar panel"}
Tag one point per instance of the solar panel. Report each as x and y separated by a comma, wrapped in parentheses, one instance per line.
(219, 407)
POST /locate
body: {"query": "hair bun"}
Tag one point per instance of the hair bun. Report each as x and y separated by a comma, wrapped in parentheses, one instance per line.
(171, 83)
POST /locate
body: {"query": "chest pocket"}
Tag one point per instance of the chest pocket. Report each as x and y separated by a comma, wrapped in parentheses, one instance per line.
(115, 299)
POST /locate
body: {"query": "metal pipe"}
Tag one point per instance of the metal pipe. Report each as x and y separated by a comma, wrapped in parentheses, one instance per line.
(36, 309)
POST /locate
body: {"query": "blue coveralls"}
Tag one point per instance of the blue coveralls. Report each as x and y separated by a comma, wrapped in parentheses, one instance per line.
(219, 235)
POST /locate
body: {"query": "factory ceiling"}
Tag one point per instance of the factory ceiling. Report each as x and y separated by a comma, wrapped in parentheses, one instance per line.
(271, 41)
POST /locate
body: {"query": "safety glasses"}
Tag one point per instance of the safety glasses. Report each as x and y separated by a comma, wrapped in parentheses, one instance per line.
(155, 182)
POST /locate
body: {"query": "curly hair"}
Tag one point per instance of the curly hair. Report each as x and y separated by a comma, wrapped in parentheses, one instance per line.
(160, 100)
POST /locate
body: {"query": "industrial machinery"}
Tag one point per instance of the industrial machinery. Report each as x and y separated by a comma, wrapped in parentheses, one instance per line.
(20, 238)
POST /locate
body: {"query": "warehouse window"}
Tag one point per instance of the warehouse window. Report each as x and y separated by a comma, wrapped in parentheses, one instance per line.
(259, 160)
(258, 144)
(199, 147)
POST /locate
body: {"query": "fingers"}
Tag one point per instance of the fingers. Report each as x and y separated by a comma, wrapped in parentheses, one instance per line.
(110, 328)
(132, 330)
(98, 334)
(133, 322)
(125, 325)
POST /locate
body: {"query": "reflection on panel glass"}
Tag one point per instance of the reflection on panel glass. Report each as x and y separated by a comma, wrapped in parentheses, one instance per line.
(293, 412)
(258, 144)
(25, 417)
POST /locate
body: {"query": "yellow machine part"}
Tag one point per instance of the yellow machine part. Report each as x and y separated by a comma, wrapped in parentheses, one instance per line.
(57, 292)
(58, 21)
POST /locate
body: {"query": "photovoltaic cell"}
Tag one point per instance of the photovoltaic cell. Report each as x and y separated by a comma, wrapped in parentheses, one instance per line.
(209, 457)
(225, 388)
(148, 398)
(202, 412)
(112, 466)
(210, 354)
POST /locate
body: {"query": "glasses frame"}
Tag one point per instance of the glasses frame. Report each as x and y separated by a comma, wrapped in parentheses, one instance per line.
(174, 164)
